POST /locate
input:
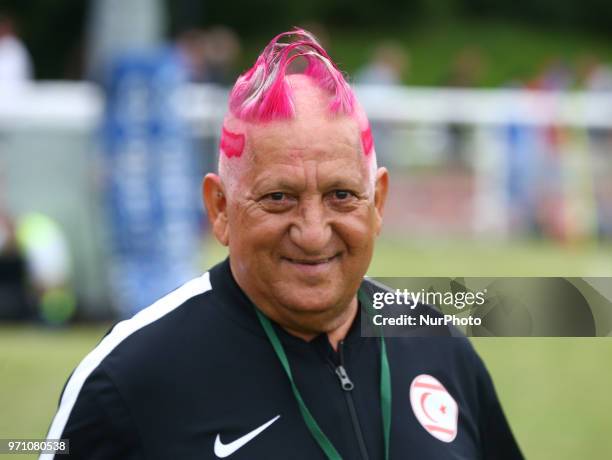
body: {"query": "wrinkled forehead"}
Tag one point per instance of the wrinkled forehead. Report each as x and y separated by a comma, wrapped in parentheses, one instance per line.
(320, 138)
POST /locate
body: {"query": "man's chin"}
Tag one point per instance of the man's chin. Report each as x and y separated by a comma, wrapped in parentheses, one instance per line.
(311, 301)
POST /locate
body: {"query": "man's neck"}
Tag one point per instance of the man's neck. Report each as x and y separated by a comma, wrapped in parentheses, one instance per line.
(335, 335)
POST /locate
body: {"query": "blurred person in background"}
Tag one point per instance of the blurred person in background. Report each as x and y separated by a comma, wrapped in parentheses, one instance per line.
(595, 77)
(15, 61)
(534, 160)
(554, 75)
(388, 65)
(49, 266)
(466, 71)
(209, 56)
(551, 210)
(222, 51)
(191, 47)
(599, 78)
(262, 357)
(15, 303)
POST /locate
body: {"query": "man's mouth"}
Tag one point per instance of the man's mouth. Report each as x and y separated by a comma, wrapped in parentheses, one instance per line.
(311, 261)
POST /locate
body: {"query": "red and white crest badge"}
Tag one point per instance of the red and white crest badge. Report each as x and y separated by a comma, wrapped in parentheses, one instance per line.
(434, 407)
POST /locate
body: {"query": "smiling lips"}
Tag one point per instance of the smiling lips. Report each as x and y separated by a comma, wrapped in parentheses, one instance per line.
(313, 262)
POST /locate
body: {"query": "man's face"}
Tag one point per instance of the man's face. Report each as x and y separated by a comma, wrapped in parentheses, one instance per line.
(302, 216)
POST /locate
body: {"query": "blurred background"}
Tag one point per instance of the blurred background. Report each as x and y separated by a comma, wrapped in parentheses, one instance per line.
(494, 119)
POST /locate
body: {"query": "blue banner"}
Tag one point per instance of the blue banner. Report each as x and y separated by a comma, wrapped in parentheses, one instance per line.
(151, 182)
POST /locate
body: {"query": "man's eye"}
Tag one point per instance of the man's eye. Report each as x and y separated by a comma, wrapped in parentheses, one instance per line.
(342, 194)
(277, 201)
(276, 196)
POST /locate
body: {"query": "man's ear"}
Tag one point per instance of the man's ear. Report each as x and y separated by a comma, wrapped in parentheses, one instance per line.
(380, 195)
(215, 200)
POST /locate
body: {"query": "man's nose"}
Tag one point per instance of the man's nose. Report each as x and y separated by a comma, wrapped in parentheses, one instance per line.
(311, 231)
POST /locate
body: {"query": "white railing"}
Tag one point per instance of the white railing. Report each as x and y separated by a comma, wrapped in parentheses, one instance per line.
(79, 105)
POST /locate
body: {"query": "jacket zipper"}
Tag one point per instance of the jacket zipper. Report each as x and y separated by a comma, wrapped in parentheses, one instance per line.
(347, 386)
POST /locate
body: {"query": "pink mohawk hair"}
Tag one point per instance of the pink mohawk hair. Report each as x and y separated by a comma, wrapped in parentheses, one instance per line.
(262, 93)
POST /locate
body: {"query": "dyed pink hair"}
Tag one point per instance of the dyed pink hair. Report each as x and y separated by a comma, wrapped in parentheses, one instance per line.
(262, 93)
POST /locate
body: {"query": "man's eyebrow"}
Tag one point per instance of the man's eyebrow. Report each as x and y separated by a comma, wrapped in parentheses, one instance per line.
(274, 181)
(343, 182)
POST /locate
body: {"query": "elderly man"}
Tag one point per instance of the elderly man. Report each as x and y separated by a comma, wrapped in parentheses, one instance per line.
(261, 357)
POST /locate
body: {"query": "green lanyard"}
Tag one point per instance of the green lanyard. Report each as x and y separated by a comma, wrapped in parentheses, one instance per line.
(311, 423)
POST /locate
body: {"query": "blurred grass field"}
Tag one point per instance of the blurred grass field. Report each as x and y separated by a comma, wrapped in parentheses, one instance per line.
(556, 392)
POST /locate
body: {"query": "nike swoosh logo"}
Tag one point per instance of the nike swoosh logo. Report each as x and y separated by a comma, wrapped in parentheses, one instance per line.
(225, 450)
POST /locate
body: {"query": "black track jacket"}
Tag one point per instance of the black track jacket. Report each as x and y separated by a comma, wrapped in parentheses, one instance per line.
(193, 376)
